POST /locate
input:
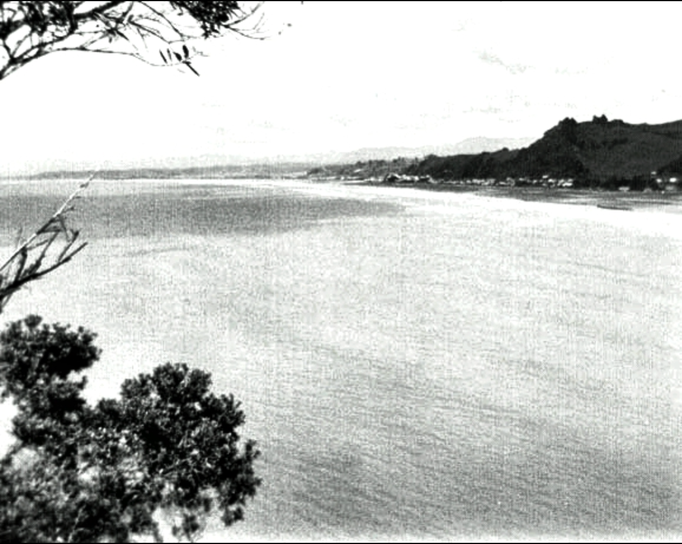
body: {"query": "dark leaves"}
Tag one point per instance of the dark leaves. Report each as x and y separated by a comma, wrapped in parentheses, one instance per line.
(100, 472)
(212, 17)
(187, 63)
(113, 27)
(31, 351)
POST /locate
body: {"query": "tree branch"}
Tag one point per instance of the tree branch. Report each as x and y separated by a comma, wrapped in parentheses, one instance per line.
(98, 10)
(18, 271)
(30, 30)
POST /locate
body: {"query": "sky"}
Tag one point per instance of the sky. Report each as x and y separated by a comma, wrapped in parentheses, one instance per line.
(341, 76)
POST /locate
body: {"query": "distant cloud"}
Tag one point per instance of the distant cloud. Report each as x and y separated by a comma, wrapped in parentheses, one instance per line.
(490, 58)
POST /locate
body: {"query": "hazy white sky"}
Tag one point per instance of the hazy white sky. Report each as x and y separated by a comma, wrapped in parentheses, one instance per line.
(349, 75)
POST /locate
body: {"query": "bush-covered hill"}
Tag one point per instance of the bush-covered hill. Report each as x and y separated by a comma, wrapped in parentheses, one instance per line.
(596, 153)
(603, 149)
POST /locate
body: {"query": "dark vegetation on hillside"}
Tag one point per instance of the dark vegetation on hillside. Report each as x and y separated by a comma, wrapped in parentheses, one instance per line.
(597, 154)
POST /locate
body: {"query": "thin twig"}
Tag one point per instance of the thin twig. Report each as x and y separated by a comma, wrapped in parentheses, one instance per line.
(54, 217)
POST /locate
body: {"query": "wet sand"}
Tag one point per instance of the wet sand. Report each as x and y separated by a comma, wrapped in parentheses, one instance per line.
(616, 200)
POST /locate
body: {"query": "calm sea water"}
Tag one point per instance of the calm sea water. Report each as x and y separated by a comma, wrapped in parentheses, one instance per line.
(413, 364)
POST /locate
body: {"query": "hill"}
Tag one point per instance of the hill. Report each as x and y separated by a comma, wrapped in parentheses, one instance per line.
(602, 149)
(596, 153)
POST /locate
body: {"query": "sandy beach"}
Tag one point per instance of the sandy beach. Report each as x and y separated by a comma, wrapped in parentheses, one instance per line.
(670, 202)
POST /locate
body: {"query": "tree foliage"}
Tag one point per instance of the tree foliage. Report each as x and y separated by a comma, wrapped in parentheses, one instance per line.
(148, 31)
(82, 473)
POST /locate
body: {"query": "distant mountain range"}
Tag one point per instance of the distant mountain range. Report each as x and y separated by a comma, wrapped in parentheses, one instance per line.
(470, 145)
(290, 164)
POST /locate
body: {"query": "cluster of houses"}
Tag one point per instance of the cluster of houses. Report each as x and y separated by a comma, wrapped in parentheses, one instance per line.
(544, 181)
(666, 183)
(660, 182)
(657, 182)
(404, 178)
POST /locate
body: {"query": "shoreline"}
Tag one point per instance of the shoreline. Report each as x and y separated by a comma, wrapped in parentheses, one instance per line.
(669, 202)
(609, 200)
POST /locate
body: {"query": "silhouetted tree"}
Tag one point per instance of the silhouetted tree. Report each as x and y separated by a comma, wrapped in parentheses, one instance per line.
(79, 473)
(158, 33)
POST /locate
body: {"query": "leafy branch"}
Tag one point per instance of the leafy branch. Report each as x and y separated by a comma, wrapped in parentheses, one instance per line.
(33, 259)
(31, 30)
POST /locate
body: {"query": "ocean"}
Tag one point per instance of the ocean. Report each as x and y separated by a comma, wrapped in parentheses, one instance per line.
(413, 364)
